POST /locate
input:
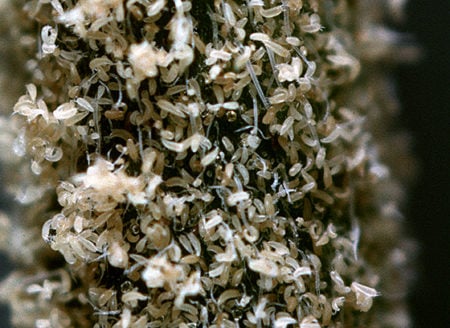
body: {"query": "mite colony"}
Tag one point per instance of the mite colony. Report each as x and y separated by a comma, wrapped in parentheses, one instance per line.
(205, 163)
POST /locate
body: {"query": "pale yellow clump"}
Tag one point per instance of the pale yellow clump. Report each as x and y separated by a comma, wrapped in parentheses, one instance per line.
(145, 60)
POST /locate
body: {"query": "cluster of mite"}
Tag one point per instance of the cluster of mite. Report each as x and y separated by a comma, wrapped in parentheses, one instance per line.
(205, 163)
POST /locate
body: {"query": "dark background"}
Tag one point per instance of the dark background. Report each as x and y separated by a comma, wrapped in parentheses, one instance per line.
(424, 91)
